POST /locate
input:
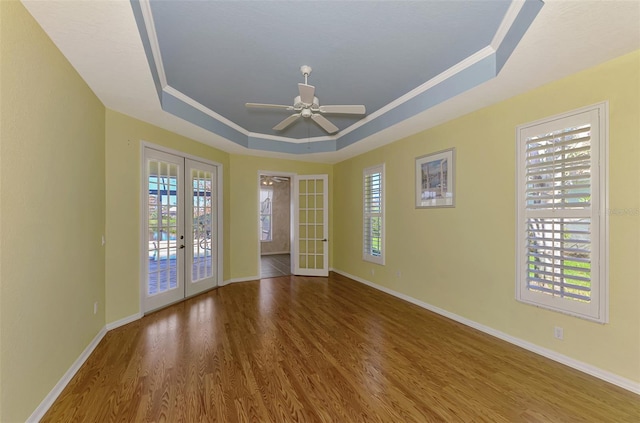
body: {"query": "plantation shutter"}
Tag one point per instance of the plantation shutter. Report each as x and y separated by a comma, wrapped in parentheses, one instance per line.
(373, 214)
(559, 180)
(559, 203)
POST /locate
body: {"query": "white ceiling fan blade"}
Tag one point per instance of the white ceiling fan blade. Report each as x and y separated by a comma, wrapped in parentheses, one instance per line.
(306, 93)
(267, 106)
(324, 123)
(288, 121)
(344, 109)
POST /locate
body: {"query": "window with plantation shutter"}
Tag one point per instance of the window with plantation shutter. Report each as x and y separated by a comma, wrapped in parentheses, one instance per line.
(562, 224)
(373, 231)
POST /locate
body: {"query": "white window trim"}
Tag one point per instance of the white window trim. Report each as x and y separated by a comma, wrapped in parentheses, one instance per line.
(598, 309)
(365, 256)
(270, 214)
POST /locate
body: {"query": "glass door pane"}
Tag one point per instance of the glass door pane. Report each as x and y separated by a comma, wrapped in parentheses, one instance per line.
(163, 176)
(203, 224)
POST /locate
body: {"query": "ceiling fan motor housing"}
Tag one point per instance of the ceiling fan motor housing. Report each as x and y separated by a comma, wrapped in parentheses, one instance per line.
(298, 104)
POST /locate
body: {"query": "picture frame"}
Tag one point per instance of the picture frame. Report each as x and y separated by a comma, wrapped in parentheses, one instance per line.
(435, 181)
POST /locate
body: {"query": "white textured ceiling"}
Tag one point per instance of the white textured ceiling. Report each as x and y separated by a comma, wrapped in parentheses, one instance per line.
(101, 40)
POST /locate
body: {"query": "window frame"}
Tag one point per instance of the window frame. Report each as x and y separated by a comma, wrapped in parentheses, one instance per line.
(366, 254)
(270, 214)
(598, 308)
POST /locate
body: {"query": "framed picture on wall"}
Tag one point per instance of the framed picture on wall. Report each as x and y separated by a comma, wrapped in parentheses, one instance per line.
(435, 179)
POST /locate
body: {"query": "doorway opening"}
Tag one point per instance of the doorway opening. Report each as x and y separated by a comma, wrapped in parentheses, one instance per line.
(274, 225)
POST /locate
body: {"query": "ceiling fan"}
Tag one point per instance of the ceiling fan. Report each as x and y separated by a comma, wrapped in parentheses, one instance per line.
(306, 105)
(269, 180)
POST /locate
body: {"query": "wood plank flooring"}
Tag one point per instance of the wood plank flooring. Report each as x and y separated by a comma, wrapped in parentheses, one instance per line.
(297, 349)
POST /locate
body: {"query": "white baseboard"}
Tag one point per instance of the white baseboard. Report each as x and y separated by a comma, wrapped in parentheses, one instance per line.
(124, 321)
(607, 376)
(46, 403)
(40, 411)
(236, 280)
(273, 253)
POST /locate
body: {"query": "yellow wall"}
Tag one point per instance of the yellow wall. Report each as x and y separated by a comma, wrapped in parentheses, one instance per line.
(244, 207)
(124, 135)
(463, 260)
(52, 214)
(1, 104)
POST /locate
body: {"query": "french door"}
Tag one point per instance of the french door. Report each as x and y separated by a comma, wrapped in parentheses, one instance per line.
(181, 228)
(311, 225)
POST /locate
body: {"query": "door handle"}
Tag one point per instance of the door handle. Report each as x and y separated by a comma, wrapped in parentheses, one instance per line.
(324, 240)
(181, 247)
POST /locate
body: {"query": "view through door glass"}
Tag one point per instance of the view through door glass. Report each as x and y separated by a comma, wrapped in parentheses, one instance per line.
(164, 229)
(181, 222)
(203, 224)
(201, 227)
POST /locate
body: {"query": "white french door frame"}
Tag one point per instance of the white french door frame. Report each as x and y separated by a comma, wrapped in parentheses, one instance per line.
(196, 248)
(291, 177)
(323, 238)
(143, 247)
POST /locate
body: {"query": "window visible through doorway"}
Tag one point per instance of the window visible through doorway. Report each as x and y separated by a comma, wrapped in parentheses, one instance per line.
(266, 198)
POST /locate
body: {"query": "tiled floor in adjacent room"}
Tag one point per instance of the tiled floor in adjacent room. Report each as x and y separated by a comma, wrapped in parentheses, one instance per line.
(272, 266)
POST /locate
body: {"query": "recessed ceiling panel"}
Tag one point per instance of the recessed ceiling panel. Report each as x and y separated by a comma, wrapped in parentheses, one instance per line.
(215, 56)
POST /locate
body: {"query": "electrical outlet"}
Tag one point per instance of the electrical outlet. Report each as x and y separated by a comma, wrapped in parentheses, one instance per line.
(373, 272)
(95, 308)
(558, 333)
(399, 274)
(103, 241)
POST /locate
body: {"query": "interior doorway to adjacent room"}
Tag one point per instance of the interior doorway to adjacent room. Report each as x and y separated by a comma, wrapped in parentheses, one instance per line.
(275, 225)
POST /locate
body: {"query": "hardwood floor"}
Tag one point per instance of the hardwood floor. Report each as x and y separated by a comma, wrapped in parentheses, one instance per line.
(296, 349)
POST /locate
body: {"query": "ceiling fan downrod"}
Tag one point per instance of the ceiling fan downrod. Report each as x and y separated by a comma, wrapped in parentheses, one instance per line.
(306, 71)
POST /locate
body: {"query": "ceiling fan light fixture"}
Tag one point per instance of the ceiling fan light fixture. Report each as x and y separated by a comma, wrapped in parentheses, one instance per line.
(267, 180)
